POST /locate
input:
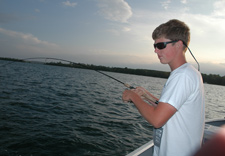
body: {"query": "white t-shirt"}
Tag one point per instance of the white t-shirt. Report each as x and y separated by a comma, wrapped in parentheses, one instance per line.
(183, 132)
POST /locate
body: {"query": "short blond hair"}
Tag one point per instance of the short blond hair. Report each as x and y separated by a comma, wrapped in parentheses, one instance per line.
(173, 30)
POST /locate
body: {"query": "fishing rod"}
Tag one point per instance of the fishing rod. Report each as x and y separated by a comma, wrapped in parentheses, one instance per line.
(51, 58)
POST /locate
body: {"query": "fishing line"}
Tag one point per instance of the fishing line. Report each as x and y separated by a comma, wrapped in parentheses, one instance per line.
(51, 58)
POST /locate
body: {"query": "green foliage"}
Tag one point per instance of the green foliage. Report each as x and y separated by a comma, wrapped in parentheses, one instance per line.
(11, 59)
(213, 79)
(210, 79)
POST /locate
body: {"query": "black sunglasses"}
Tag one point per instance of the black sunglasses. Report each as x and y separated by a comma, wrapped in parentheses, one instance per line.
(162, 45)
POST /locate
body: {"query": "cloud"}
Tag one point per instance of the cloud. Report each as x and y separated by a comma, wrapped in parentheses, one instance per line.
(184, 1)
(165, 4)
(207, 32)
(115, 10)
(212, 68)
(114, 32)
(36, 10)
(70, 4)
(219, 8)
(29, 38)
(126, 29)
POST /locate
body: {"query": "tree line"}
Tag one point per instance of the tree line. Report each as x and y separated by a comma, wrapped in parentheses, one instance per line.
(210, 79)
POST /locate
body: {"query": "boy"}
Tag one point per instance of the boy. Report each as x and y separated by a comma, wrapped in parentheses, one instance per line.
(178, 117)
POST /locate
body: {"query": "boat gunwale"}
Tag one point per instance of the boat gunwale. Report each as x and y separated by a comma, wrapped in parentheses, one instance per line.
(150, 144)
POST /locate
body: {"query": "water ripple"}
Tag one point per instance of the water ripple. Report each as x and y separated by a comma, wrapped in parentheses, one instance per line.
(66, 111)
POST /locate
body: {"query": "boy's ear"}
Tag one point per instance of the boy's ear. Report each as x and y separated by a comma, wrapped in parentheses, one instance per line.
(179, 44)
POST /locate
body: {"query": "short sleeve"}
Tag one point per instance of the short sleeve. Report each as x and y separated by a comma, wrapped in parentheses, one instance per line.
(177, 90)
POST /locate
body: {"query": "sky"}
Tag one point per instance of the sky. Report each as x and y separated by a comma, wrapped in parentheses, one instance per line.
(113, 33)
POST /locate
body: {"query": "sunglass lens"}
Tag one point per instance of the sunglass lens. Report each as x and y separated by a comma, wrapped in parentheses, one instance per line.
(160, 45)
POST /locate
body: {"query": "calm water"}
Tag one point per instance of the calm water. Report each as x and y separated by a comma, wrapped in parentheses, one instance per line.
(49, 110)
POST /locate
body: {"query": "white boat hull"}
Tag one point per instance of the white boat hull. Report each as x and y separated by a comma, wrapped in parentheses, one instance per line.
(211, 128)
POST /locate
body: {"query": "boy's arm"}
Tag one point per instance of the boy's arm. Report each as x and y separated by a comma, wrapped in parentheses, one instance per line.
(157, 116)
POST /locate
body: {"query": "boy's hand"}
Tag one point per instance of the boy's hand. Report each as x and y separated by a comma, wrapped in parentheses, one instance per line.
(127, 94)
(140, 91)
(146, 95)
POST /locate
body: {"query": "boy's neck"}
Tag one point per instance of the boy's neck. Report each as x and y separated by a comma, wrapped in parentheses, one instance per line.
(177, 63)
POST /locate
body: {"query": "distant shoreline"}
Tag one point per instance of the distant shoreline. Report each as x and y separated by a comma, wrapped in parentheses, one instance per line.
(210, 79)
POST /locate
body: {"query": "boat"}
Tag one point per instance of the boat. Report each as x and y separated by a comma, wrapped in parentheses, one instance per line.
(211, 128)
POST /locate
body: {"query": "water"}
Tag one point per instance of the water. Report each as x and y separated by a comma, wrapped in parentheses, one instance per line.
(49, 110)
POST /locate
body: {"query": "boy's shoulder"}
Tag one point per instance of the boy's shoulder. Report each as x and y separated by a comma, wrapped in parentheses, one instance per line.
(186, 70)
